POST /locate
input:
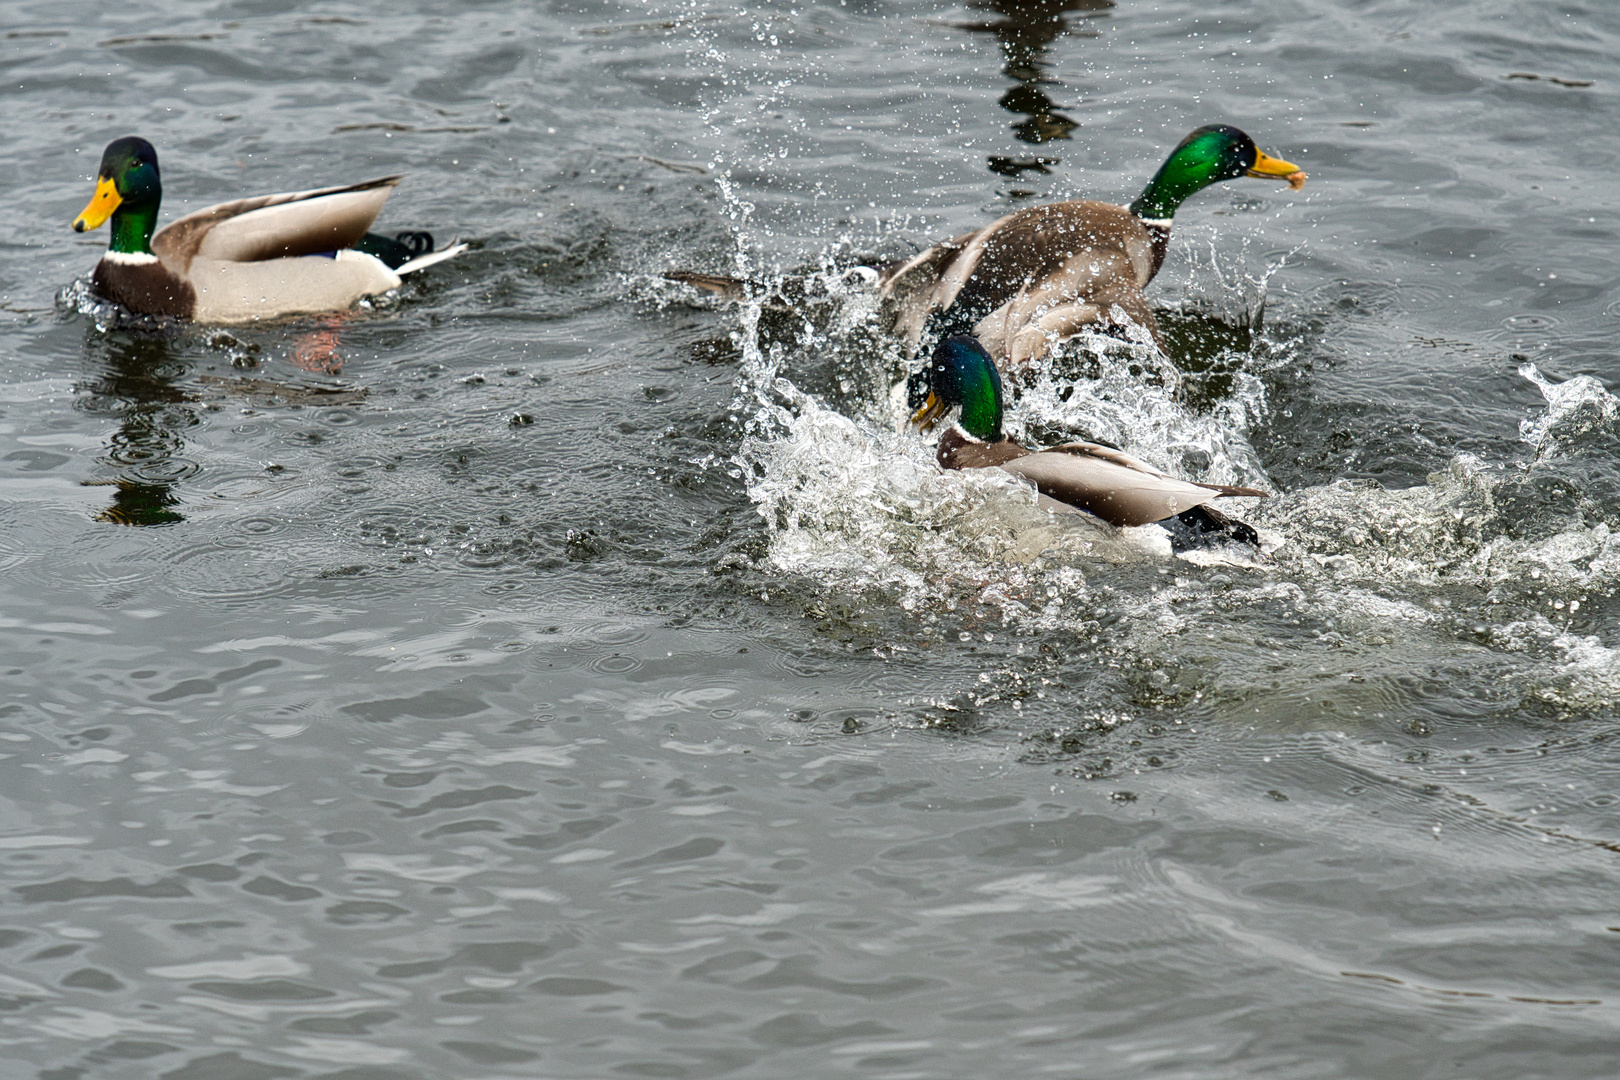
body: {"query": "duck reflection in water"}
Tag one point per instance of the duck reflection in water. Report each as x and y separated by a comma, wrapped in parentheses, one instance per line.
(1025, 28)
(138, 388)
(316, 350)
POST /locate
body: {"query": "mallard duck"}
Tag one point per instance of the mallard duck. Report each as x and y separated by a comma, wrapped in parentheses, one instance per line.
(1048, 272)
(260, 258)
(1100, 480)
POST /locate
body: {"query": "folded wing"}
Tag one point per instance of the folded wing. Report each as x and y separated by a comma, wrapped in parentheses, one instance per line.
(276, 226)
(1113, 485)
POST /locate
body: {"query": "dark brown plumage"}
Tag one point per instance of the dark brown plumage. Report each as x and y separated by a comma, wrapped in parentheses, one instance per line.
(1042, 271)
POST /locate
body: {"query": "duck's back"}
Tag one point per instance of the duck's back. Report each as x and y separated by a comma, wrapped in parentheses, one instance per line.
(1113, 485)
(1036, 243)
(1073, 243)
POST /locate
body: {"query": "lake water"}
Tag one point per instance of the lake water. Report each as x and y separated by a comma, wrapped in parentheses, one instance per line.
(545, 672)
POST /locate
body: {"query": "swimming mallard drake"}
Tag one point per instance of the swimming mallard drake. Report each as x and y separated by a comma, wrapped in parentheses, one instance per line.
(1051, 271)
(260, 258)
(1100, 480)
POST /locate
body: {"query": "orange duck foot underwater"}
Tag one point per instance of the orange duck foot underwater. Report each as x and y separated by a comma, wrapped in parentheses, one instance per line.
(1048, 272)
(259, 258)
(1099, 480)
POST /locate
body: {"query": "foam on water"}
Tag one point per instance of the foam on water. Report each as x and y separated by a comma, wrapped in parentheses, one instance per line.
(863, 508)
(854, 502)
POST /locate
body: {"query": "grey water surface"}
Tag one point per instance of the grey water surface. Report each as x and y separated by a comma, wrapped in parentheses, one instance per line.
(546, 672)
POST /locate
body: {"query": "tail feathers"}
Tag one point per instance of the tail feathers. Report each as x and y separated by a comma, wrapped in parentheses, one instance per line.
(727, 288)
(395, 250)
(422, 262)
(417, 242)
(1228, 489)
(1204, 526)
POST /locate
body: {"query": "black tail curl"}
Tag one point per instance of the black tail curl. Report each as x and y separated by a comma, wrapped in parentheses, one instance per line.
(1206, 527)
(398, 250)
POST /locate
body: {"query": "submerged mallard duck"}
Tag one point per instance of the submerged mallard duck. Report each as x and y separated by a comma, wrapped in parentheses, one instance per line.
(260, 258)
(1100, 480)
(1048, 272)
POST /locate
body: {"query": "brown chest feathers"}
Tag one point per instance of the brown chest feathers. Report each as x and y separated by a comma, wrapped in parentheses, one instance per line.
(147, 288)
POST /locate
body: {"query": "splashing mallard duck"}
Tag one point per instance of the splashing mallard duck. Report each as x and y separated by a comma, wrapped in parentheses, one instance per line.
(258, 258)
(1048, 272)
(1099, 480)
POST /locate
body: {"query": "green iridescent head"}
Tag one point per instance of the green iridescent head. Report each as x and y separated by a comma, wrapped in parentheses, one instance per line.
(128, 190)
(1212, 153)
(961, 373)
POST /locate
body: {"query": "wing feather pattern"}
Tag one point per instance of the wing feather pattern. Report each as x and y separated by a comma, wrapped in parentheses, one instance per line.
(275, 226)
(727, 288)
(1032, 259)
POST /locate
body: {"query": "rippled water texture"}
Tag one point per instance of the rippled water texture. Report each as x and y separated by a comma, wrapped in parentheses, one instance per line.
(546, 672)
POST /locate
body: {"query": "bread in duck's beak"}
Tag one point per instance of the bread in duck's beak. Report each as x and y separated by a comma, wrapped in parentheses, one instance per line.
(1270, 168)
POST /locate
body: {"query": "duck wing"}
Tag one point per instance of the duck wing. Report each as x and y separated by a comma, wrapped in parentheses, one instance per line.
(275, 226)
(721, 285)
(1063, 306)
(1113, 485)
(1060, 251)
(908, 292)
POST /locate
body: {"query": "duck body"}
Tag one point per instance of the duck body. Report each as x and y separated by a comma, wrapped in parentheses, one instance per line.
(1044, 273)
(247, 260)
(1037, 273)
(1102, 481)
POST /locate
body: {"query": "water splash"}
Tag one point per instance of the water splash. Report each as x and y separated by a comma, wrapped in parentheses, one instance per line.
(1576, 407)
(1505, 567)
(1112, 402)
(854, 503)
(868, 511)
(80, 298)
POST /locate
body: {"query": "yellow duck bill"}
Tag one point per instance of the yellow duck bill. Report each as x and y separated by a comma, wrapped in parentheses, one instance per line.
(1267, 167)
(101, 206)
(926, 417)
